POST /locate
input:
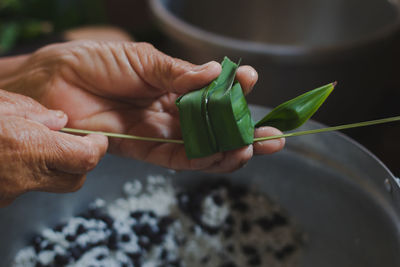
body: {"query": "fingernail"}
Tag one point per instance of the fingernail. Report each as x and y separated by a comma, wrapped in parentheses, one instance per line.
(204, 66)
(59, 114)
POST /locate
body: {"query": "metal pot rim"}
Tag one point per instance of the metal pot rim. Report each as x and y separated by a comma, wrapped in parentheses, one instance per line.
(183, 30)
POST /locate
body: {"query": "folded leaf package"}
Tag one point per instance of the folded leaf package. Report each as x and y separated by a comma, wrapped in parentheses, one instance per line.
(216, 118)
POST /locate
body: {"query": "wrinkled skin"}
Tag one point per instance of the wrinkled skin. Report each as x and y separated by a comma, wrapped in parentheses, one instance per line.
(120, 87)
(34, 156)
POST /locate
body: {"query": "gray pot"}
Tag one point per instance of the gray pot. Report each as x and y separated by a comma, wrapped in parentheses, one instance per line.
(345, 199)
(294, 45)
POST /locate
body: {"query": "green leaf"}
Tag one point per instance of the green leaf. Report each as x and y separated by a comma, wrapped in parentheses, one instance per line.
(195, 127)
(230, 118)
(215, 118)
(294, 113)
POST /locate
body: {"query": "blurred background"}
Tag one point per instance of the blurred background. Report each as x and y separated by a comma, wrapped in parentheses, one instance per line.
(294, 45)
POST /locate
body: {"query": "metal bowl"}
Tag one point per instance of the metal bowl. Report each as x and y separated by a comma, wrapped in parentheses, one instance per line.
(344, 198)
(284, 30)
(295, 46)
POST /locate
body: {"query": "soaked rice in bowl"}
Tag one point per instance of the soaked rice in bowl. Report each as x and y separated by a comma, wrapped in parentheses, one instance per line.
(155, 224)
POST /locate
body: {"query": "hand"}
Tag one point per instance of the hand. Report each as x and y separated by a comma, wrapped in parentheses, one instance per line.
(34, 156)
(131, 88)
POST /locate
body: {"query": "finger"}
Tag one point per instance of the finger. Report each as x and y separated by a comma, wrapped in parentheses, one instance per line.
(232, 160)
(75, 154)
(270, 146)
(172, 74)
(247, 77)
(6, 202)
(173, 156)
(60, 182)
(23, 106)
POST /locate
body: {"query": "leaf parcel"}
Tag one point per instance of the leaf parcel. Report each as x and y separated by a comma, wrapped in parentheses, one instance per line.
(216, 118)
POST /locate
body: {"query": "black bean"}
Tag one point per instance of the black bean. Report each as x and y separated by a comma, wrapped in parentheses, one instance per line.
(205, 260)
(134, 256)
(249, 250)
(218, 200)
(245, 227)
(49, 247)
(137, 263)
(81, 229)
(107, 219)
(142, 229)
(112, 241)
(228, 232)
(230, 248)
(240, 206)
(230, 220)
(265, 223)
(174, 263)
(164, 254)
(228, 264)
(101, 257)
(145, 243)
(284, 252)
(59, 227)
(70, 238)
(278, 219)
(255, 261)
(136, 214)
(36, 243)
(62, 259)
(164, 222)
(156, 239)
(211, 230)
(125, 238)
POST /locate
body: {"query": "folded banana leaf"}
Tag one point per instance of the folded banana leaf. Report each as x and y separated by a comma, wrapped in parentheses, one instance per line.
(216, 118)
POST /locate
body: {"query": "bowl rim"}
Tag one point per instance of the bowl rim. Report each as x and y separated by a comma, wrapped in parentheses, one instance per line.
(184, 30)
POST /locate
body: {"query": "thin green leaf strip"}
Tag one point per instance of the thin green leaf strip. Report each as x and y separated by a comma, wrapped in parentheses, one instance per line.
(259, 139)
(294, 113)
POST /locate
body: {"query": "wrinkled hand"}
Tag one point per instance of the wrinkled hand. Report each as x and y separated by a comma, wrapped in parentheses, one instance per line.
(34, 156)
(131, 88)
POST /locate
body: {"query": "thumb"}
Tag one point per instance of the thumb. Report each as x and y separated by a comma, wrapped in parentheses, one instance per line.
(22, 106)
(172, 74)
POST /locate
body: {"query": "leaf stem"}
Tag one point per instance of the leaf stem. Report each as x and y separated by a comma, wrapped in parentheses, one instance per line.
(330, 129)
(176, 141)
(126, 136)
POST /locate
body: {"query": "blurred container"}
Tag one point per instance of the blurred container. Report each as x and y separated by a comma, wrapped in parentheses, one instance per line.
(294, 45)
(297, 46)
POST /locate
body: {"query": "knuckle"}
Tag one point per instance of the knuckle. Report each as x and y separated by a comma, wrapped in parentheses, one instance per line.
(146, 46)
